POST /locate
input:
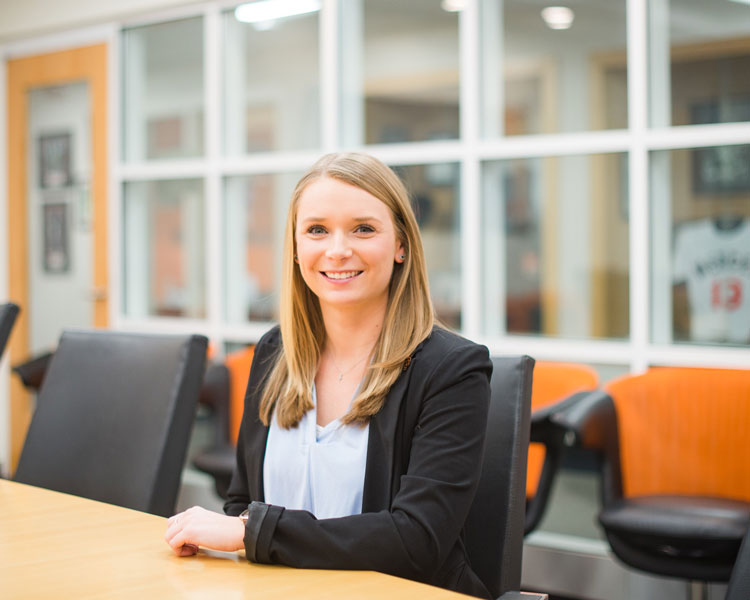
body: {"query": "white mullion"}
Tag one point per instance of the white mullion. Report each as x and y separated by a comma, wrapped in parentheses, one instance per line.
(115, 221)
(213, 196)
(267, 162)
(697, 136)
(639, 191)
(328, 46)
(564, 144)
(699, 356)
(149, 171)
(470, 188)
(597, 352)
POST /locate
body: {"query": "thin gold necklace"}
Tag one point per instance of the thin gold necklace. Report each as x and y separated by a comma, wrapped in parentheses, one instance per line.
(342, 373)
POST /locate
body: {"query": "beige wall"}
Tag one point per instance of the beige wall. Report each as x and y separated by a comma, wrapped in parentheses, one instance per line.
(22, 19)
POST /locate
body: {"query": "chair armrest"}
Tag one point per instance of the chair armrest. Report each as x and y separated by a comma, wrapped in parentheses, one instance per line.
(545, 430)
(523, 596)
(32, 371)
(592, 423)
(591, 418)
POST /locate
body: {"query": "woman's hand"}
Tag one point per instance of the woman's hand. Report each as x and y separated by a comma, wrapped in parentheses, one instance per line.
(200, 527)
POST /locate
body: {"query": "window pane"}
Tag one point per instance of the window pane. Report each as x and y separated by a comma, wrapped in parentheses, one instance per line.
(699, 61)
(434, 190)
(700, 202)
(163, 91)
(538, 79)
(555, 246)
(399, 71)
(254, 217)
(163, 249)
(271, 91)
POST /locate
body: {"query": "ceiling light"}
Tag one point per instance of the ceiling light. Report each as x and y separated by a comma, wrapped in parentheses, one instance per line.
(453, 5)
(741, 1)
(270, 10)
(558, 17)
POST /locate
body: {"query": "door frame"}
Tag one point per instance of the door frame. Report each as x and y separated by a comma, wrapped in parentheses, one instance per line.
(86, 63)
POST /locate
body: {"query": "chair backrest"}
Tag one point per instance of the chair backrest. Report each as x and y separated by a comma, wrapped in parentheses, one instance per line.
(553, 382)
(494, 528)
(8, 314)
(684, 431)
(238, 363)
(739, 582)
(114, 418)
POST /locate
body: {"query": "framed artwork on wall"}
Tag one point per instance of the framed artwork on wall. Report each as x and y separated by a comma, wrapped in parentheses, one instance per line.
(56, 254)
(54, 151)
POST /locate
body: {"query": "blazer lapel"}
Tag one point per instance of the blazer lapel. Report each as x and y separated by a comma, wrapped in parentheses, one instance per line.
(381, 449)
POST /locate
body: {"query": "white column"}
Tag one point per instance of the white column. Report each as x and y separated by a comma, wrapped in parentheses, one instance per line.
(351, 62)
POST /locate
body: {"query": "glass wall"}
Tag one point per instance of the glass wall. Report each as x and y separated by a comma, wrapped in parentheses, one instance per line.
(555, 238)
(271, 84)
(564, 181)
(555, 69)
(162, 99)
(399, 71)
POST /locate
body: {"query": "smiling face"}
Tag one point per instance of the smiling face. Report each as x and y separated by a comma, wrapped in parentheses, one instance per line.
(346, 245)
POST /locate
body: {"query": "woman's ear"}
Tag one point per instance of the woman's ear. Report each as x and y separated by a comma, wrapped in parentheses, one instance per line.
(400, 253)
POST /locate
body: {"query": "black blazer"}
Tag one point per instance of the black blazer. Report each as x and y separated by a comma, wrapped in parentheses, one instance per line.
(424, 458)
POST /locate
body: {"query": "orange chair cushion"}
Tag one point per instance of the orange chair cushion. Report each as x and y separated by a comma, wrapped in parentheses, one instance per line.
(553, 382)
(238, 363)
(684, 431)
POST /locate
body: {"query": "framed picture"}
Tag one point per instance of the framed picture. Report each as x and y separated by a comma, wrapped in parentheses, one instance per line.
(56, 256)
(721, 170)
(55, 168)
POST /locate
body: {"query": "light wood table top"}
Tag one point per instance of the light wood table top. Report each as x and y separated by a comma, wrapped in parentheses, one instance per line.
(54, 545)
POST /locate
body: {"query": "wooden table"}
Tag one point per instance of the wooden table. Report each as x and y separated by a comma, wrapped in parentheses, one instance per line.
(54, 545)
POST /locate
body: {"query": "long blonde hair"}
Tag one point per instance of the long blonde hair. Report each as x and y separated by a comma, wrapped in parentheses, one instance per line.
(409, 316)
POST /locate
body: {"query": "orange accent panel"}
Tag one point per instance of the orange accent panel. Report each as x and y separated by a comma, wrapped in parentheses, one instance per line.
(684, 431)
(24, 74)
(238, 364)
(553, 382)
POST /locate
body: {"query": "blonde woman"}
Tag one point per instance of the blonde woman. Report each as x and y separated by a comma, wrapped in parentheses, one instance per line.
(362, 436)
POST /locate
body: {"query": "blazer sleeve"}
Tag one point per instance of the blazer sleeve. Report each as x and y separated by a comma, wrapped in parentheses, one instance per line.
(413, 538)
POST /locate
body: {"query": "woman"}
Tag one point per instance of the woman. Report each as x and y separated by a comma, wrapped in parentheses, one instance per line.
(361, 441)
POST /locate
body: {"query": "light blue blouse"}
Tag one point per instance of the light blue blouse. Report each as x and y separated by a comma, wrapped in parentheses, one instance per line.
(314, 468)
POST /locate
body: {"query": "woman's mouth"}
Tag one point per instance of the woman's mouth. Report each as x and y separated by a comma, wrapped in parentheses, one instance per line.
(341, 275)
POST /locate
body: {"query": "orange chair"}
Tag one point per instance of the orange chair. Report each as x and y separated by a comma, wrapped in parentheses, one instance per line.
(675, 449)
(224, 392)
(556, 386)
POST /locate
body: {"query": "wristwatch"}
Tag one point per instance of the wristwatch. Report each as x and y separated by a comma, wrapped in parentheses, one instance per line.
(244, 515)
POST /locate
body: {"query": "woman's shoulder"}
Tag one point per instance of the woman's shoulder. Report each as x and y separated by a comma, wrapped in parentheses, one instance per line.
(443, 344)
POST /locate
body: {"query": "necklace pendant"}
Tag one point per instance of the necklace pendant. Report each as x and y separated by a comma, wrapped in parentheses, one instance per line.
(341, 376)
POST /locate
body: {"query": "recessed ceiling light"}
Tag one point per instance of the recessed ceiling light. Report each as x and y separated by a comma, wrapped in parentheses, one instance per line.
(270, 10)
(453, 5)
(558, 17)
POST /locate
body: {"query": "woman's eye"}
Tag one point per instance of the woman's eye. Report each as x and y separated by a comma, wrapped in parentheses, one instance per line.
(316, 230)
(365, 229)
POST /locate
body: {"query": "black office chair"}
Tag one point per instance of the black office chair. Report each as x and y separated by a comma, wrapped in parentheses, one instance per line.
(494, 528)
(8, 314)
(675, 467)
(218, 459)
(739, 582)
(114, 418)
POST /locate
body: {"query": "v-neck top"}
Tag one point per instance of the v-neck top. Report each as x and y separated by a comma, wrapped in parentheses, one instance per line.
(316, 468)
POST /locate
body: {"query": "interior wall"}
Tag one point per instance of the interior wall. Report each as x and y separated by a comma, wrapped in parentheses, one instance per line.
(22, 19)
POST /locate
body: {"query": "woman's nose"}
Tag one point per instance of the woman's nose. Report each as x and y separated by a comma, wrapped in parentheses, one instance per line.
(338, 247)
